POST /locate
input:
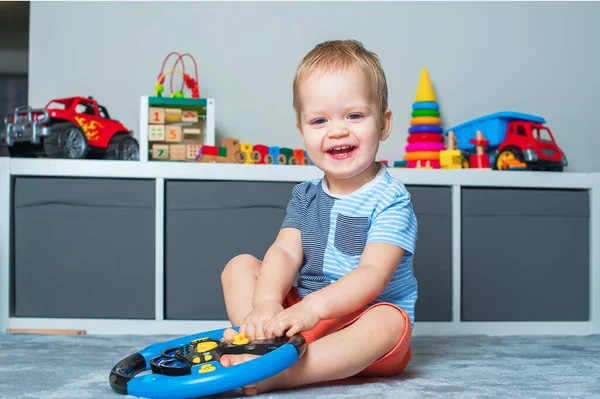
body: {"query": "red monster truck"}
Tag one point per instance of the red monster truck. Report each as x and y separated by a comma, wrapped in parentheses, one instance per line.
(74, 127)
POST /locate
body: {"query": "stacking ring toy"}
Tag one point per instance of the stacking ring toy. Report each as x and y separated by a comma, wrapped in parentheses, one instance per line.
(425, 112)
(425, 137)
(425, 105)
(426, 120)
(189, 367)
(425, 147)
(425, 129)
(422, 156)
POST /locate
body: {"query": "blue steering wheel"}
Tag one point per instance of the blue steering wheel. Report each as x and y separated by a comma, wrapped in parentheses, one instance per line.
(189, 366)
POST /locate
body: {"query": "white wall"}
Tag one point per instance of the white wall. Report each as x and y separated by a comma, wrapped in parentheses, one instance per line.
(534, 57)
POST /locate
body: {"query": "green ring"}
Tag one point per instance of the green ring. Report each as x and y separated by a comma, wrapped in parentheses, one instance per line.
(425, 112)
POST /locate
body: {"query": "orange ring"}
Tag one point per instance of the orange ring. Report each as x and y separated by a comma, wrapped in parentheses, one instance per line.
(425, 120)
(422, 156)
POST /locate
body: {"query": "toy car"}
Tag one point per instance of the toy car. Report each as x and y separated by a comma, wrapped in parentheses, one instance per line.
(513, 138)
(74, 128)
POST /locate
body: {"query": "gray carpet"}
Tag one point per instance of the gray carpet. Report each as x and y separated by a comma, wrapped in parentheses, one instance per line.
(53, 367)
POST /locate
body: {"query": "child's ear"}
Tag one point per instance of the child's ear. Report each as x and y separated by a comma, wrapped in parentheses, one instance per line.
(386, 125)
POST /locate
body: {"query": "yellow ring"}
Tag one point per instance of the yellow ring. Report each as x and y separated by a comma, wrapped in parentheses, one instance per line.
(425, 120)
(422, 156)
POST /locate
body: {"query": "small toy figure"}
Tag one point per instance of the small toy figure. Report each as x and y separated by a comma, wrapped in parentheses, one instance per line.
(451, 158)
(480, 160)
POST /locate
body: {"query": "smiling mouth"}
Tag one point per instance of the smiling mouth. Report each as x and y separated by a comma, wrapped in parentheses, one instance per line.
(341, 151)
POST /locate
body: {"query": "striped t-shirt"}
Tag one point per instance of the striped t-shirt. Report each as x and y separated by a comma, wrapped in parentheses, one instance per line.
(335, 230)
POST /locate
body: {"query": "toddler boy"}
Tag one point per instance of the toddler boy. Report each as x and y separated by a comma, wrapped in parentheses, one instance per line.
(351, 235)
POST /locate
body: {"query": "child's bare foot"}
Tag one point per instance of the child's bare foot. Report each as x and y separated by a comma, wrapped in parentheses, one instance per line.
(263, 386)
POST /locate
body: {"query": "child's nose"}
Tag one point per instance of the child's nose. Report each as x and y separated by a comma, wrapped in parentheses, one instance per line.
(338, 131)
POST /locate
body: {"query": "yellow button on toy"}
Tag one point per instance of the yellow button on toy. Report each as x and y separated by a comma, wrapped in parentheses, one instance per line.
(240, 339)
(206, 346)
(207, 358)
(206, 368)
(196, 360)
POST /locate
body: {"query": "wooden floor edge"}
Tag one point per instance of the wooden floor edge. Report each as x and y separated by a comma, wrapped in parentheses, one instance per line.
(43, 331)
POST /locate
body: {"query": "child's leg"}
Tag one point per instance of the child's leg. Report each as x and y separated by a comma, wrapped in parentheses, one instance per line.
(339, 355)
(238, 280)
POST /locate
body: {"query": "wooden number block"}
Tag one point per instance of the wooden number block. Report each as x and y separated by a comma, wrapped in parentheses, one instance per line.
(193, 150)
(189, 116)
(173, 114)
(156, 132)
(173, 134)
(177, 152)
(160, 151)
(156, 115)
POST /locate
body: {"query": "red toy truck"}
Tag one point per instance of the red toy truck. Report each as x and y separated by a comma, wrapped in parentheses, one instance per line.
(513, 136)
(74, 127)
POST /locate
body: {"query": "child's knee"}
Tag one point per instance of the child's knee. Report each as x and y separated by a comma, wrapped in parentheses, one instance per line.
(241, 265)
(388, 321)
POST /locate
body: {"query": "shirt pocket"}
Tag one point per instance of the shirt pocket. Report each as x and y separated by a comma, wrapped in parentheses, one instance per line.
(351, 234)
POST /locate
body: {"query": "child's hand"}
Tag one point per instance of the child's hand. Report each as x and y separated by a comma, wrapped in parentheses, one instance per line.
(254, 322)
(295, 319)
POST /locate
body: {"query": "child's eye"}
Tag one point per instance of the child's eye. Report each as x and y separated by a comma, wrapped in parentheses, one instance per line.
(318, 121)
(355, 116)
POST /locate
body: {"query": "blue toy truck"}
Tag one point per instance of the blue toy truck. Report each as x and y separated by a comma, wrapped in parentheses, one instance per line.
(512, 137)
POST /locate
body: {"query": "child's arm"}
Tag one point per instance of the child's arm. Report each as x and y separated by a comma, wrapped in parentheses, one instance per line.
(276, 275)
(279, 268)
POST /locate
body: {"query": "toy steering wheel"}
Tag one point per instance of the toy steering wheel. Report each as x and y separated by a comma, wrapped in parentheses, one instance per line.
(189, 366)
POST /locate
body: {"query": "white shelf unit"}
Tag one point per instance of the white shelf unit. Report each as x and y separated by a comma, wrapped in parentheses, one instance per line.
(162, 171)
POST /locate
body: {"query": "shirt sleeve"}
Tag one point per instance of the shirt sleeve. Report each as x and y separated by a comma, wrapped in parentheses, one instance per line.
(293, 210)
(396, 224)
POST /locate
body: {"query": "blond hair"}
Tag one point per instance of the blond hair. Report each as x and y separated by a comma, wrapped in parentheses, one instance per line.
(337, 55)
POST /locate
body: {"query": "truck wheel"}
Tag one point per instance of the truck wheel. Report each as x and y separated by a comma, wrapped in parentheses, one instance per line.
(123, 147)
(66, 140)
(506, 154)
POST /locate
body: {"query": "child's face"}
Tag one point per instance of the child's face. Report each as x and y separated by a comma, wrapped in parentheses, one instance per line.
(340, 122)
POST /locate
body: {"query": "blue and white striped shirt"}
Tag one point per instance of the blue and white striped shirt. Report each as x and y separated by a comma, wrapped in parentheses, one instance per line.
(335, 230)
